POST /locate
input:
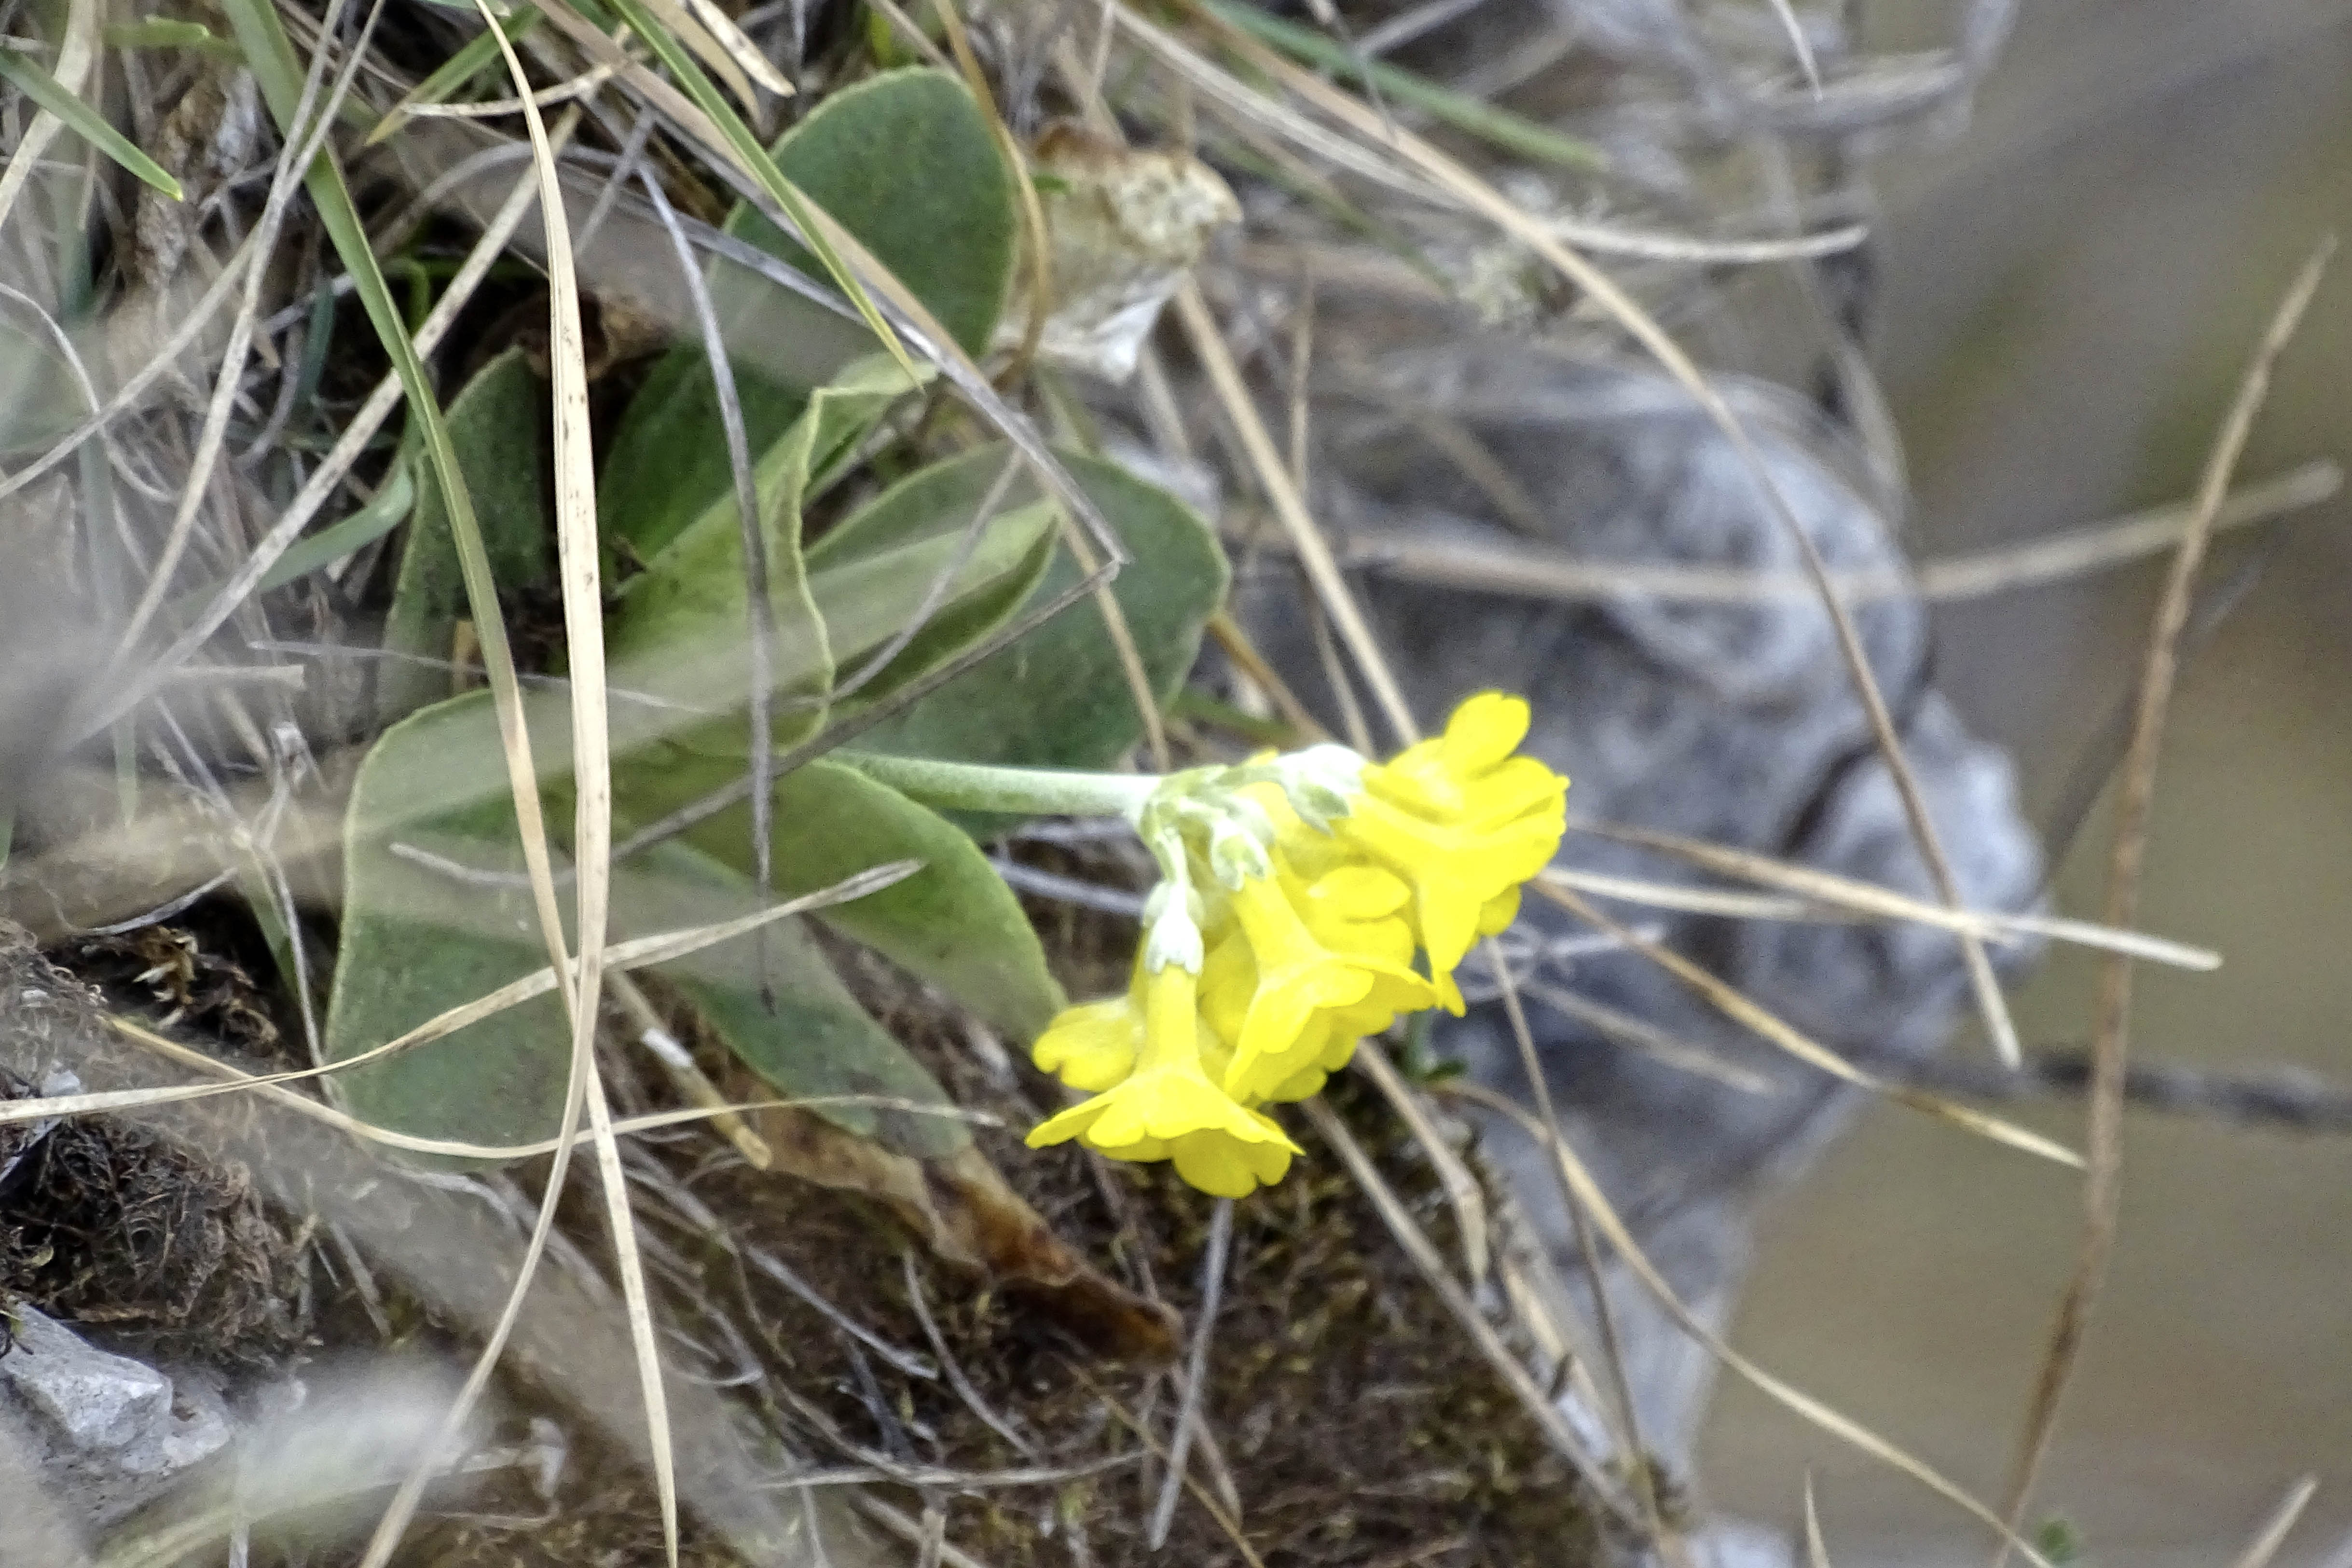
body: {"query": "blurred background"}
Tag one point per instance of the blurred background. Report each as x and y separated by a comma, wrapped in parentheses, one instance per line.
(2073, 286)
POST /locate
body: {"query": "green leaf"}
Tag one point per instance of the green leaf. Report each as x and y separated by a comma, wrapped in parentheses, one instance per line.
(954, 923)
(43, 402)
(1059, 698)
(868, 601)
(870, 572)
(415, 943)
(905, 163)
(761, 164)
(682, 627)
(498, 428)
(774, 997)
(84, 121)
(904, 160)
(667, 464)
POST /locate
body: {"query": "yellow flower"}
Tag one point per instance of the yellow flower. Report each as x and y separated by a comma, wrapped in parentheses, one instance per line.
(1465, 822)
(1341, 965)
(1168, 1110)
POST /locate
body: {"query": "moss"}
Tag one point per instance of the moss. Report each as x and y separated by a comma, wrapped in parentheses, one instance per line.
(107, 1222)
(1358, 1423)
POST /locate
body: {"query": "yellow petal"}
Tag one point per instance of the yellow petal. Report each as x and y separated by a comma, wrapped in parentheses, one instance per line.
(1482, 730)
(1091, 1047)
(1499, 912)
(1071, 1123)
(1356, 892)
(1224, 1168)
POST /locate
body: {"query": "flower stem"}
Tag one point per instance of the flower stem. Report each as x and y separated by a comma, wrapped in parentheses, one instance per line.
(979, 786)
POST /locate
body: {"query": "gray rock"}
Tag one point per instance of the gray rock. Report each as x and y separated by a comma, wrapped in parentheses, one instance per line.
(109, 1433)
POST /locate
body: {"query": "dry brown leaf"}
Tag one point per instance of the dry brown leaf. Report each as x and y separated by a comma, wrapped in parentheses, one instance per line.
(1126, 228)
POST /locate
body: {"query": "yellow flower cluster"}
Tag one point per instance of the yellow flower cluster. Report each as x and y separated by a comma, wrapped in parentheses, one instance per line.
(1304, 945)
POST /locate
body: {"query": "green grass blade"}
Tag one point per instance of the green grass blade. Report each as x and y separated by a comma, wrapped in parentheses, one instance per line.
(84, 121)
(1512, 132)
(271, 55)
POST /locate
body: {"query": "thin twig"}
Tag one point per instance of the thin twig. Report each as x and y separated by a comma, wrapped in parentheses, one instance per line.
(1740, 1009)
(692, 1082)
(762, 607)
(1633, 1455)
(2290, 1100)
(1454, 1177)
(957, 1377)
(1142, 1430)
(1314, 551)
(2103, 1184)
(1196, 1369)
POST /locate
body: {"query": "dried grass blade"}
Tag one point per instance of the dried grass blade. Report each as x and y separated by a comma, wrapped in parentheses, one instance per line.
(1621, 1403)
(500, 1154)
(1536, 571)
(306, 133)
(325, 479)
(75, 52)
(472, 57)
(1460, 1188)
(1254, 108)
(704, 115)
(2071, 552)
(1215, 1511)
(1189, 1414)
(1037, 240)
(583, 610)
(639, 952)
(758, 601)
(1802, 47)
(748, 56)
(1490, 123)
(1869, 898)
(2281, 1523)
(688, 28)
(579, 568)
(2103, 1188)
(1735, 1006)
(1817, 1553)
(1314, 551)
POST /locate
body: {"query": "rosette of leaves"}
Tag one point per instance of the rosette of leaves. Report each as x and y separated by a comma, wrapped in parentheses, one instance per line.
(436, 913)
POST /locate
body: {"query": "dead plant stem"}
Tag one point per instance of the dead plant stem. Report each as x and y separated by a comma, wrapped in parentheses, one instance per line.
(2102, 1126)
